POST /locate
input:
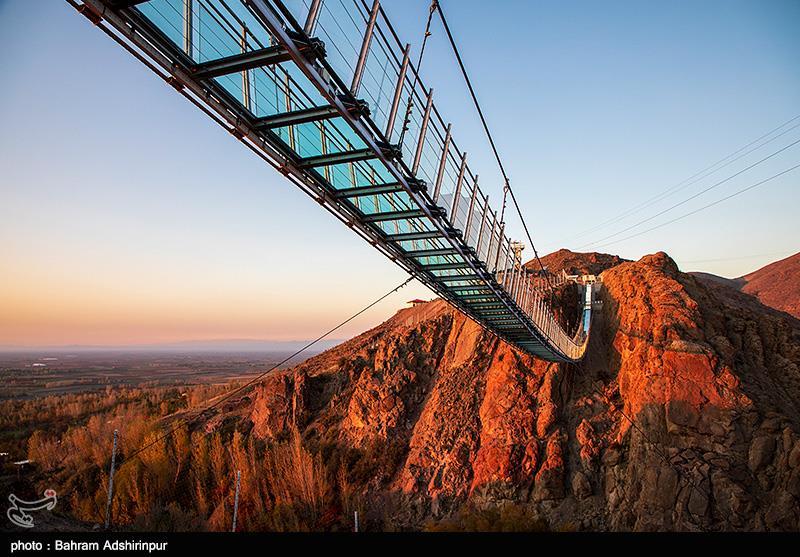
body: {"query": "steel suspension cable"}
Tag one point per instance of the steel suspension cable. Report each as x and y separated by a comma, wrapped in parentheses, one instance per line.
(507, 186)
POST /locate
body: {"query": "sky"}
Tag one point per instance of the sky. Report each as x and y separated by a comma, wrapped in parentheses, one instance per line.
(127, 217)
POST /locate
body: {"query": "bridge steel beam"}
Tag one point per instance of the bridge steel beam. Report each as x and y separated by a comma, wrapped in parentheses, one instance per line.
(377, 189)
(330, 159)
(295, 117)
(478, 288)
(432, 252)
(236, 63)
(446, 266)
(395, 215)
(410, 236)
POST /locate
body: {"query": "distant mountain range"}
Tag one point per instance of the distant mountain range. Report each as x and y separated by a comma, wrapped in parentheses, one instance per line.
(777, 285)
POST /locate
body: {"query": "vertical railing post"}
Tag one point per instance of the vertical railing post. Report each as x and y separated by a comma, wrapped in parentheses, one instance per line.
(510, 266)
(352, 170)
(481, 229)
(290, 129)
(457, 194)
(515, 279)
(111, 479)
(545, 317)
(442, 164)
(494, 243)
(530, 298)
(523, 293)
(398, 92)
(362, 57)
(540, 311)
(526, 293)
(520, 284)
(501, 264)
(471, 210)
(527, 298)
(542, 320)
(188, 27)
(512, 270)
(487, 236)
(245, 73)
(499, 243)
(422, 131)
(323, 142)
(508, 269)
(313, 15)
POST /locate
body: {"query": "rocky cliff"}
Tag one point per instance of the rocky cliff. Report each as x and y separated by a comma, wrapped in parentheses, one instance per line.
(684, 415)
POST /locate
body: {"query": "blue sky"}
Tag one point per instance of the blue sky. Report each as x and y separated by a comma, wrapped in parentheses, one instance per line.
(127, 215)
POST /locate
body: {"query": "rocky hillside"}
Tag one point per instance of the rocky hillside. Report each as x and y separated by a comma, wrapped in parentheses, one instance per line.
(777, 285)
(685, 414)
(576, 263)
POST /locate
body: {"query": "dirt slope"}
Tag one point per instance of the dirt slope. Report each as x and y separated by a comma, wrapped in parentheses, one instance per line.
(777, 285)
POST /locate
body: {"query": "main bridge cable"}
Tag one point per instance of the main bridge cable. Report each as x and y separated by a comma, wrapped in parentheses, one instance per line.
(507, 186)
(184, 421)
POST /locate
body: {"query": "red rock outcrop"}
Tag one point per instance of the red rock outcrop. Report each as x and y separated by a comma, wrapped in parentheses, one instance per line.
(576, 263)
(684, 415)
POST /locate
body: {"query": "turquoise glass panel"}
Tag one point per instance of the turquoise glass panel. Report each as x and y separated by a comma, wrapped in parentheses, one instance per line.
(168, 16)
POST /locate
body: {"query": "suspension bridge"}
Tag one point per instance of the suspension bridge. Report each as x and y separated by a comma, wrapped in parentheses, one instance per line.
(327, 94)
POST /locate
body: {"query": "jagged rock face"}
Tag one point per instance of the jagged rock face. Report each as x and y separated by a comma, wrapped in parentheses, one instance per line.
(684, 415)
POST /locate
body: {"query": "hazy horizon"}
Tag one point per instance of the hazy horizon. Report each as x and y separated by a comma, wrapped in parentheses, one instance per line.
(189, 345)
(227, 344)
